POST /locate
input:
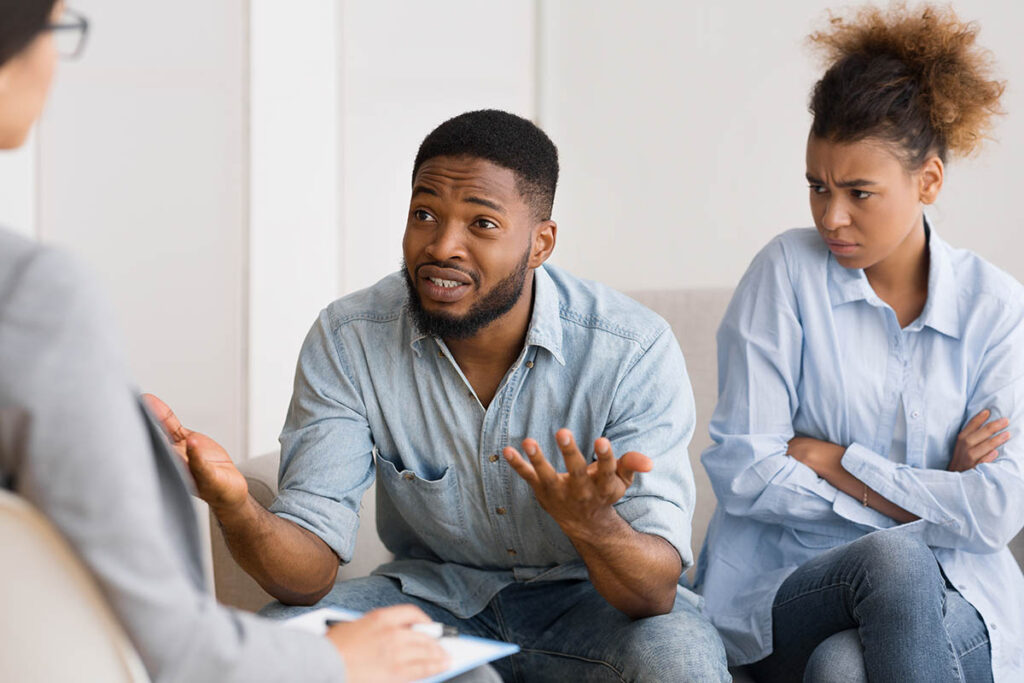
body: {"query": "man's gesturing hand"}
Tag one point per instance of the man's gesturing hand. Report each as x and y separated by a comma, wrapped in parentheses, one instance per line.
(580, 498)
(218, 481)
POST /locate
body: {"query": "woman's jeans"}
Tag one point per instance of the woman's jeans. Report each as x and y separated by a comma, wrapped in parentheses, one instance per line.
(876, 609)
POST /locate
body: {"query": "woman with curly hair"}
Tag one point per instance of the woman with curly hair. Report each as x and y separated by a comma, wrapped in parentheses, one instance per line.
(867, 483)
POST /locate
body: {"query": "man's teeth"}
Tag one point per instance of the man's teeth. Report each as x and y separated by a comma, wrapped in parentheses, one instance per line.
(444, 283)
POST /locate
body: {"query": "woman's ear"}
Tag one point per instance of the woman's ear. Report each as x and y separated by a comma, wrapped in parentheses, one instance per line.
(931, 175)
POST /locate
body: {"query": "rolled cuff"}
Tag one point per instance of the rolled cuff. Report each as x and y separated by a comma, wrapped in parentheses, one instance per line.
(331, 520)
(659, 517)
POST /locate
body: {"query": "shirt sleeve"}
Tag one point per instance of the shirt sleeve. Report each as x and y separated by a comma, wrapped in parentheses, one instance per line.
(83, 456)
(653, 413)
(982, 509)
(760, 344)
(326, 444)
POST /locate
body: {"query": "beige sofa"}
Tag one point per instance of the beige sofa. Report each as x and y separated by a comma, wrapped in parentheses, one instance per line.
(694, 316)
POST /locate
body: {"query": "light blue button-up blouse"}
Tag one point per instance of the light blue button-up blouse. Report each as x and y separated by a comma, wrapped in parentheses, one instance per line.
(806, 347)
(376, 399)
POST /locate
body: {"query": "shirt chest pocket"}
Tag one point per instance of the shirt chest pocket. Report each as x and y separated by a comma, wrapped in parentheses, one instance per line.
(430, 504)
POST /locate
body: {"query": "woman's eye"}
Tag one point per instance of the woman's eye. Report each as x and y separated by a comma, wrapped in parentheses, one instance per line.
(421, 215)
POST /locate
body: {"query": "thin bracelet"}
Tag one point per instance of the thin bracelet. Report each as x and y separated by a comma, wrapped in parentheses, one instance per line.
(864, 500)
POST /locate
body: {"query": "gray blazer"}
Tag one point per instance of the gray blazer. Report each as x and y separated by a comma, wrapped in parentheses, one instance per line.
(75, 442)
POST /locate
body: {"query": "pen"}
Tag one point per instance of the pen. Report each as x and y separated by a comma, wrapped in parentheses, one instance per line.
(433, 629)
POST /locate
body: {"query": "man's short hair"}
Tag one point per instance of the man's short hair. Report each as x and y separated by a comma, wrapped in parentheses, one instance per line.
(504, 139)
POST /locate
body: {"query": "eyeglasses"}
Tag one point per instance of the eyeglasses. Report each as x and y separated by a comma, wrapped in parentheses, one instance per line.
(69, 33)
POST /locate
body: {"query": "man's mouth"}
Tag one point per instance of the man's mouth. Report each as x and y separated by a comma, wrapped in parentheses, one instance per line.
(444, 283)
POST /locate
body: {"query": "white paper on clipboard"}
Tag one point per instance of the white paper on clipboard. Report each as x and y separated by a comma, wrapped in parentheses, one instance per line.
(467, 652)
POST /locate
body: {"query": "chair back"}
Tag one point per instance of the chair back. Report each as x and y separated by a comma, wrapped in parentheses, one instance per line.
(55, 623)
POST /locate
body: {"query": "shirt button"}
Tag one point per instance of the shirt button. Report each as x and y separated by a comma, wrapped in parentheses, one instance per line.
(992, 627)
(494, 457)
(915, 414)
(409, 476)
(500, 511)
(511, 551)
(529, 363)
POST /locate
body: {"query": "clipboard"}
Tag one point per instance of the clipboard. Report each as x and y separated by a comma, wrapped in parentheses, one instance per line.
(467, 652)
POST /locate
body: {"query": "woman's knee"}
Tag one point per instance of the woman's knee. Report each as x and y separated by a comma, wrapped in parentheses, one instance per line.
(898, 562)
(838, 659)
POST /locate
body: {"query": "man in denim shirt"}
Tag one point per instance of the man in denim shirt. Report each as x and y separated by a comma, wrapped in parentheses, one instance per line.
(426, 380)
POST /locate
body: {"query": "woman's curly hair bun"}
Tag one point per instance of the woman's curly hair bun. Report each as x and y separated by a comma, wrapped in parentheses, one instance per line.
(911, 76)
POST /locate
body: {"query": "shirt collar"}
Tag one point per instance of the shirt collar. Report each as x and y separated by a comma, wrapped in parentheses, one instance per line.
(545, 321)
(941, 311)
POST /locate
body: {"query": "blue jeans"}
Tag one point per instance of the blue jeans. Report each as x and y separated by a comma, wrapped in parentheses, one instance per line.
(876, 609)
(566, 632)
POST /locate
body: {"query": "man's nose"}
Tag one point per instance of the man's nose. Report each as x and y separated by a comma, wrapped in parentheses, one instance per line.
(448, 242)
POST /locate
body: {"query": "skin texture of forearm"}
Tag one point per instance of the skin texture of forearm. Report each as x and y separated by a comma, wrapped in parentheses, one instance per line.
(852, 486)
(635, 572)
(825, 459)
(289, 562)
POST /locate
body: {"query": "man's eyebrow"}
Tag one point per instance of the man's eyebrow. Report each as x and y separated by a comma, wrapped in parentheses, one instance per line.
(855, 182)
(486, 202)
(423, 189)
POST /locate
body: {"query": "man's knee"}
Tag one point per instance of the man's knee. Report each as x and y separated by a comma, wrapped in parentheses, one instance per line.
(364, 594)
(838, 659)
(679, 646)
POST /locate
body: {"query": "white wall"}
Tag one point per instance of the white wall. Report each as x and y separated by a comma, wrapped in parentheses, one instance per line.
(294, 184)
(408, 66)
(18, 188)
(682, 127)
(142, 172)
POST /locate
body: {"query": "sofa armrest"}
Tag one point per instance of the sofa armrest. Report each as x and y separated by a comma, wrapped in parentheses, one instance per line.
(230, 582)
(236, 588)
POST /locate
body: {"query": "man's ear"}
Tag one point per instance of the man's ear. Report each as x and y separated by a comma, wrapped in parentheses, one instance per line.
(543, 242)
(931, 175)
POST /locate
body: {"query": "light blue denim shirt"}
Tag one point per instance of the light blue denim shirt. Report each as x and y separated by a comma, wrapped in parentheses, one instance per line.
(374, 398)
(806, 347)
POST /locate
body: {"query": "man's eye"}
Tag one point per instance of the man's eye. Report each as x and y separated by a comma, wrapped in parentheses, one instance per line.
(421, 215)
(817, 189)
(860, 194)
(486, 224)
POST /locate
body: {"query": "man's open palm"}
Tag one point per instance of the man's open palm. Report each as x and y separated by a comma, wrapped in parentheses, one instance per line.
(218, 481)
(575, 497)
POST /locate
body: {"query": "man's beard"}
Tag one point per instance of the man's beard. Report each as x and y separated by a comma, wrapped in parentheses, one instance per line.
(496, 303)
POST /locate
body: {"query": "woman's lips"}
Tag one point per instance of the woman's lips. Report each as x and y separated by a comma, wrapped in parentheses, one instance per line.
(841, 248)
